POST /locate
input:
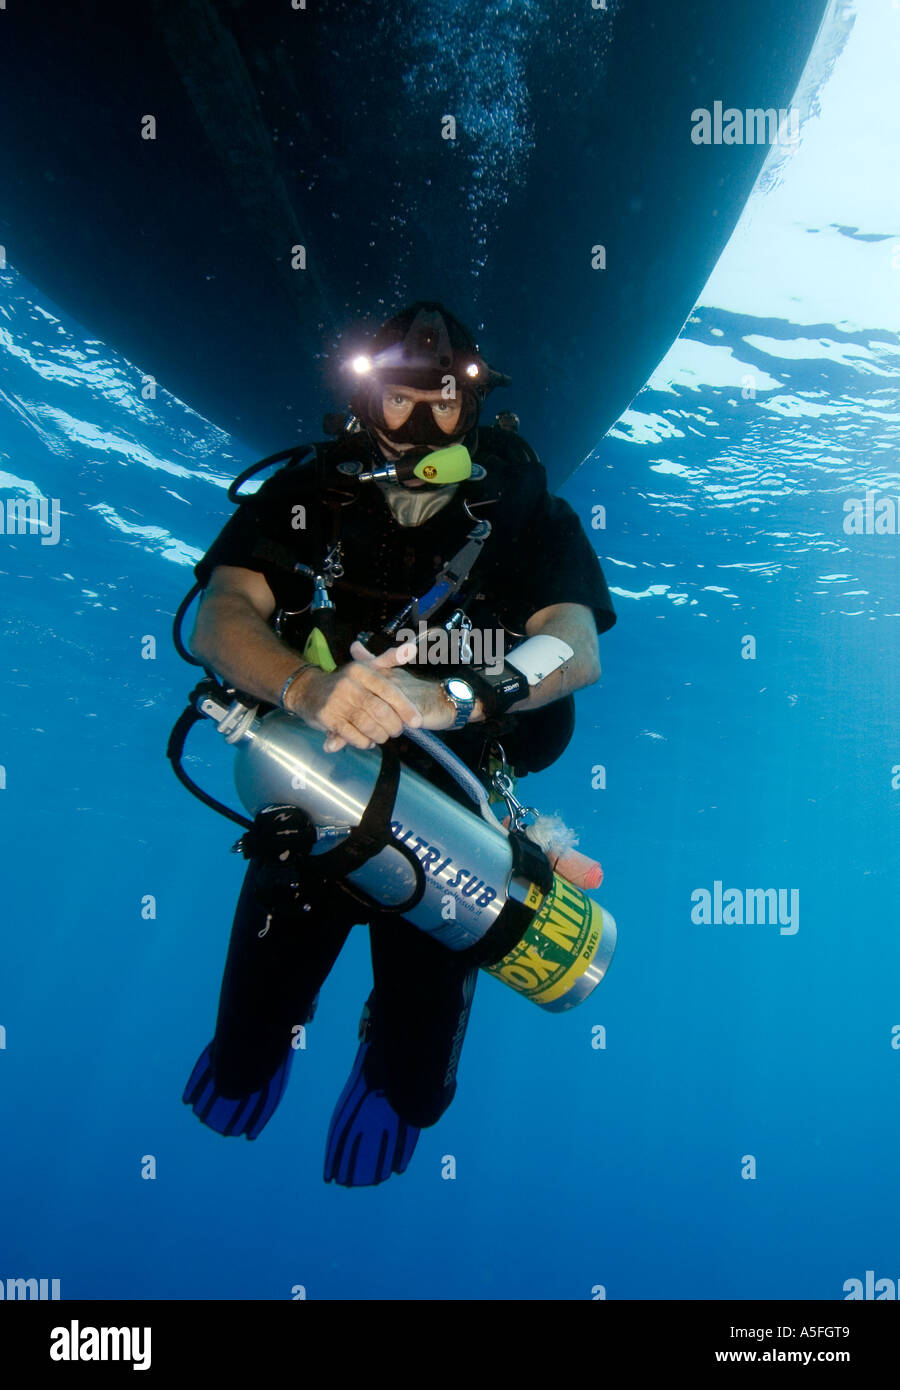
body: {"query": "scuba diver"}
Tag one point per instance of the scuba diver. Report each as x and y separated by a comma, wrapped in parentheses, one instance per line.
(320, 596)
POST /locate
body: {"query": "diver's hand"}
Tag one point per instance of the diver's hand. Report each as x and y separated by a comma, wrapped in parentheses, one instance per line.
(356, 704)
(432, 709)
(437, 712)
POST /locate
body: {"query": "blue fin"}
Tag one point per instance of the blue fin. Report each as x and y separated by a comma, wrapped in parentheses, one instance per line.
(367, 1139)
(246, 1115)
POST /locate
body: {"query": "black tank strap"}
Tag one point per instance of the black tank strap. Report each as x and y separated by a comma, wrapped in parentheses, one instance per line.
(531, 863)
(292, 829)
(370, 837)
(373, 833)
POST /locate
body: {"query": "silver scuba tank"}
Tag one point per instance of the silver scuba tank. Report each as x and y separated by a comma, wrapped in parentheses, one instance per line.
(467, 863)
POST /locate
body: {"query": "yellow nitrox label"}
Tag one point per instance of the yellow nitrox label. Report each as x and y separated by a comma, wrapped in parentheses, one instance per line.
(559, 945)
(533, 897)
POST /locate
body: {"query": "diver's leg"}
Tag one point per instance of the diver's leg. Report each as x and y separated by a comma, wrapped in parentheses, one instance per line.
(278, 958)
(422, 998)
(367, 1140)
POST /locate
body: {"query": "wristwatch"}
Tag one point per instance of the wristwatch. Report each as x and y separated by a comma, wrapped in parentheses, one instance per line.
(462, 696)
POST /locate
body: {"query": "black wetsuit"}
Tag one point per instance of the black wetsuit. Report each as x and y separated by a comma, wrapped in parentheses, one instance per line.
(289, 927)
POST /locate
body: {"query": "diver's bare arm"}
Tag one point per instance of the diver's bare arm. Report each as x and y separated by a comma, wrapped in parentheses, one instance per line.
(574, 624)
(232, 636)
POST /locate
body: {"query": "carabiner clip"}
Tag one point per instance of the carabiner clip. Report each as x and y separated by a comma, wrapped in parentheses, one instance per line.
(502, 782)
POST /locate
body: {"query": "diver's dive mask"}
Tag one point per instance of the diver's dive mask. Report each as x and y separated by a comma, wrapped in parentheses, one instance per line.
(421, 427)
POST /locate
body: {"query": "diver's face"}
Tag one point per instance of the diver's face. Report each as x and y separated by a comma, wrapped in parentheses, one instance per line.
(397, 404)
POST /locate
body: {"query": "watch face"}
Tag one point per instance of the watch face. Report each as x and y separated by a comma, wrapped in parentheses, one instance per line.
(459, 689)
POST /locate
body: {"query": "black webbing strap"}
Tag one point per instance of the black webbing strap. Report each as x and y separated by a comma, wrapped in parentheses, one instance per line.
(288, 833)
(373, 833)
(531, 863)
(370, 837)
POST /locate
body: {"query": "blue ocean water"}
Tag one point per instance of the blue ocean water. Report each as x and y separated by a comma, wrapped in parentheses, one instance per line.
(736, 1134)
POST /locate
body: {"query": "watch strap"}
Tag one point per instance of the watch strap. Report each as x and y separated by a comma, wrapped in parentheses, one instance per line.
(498, 692)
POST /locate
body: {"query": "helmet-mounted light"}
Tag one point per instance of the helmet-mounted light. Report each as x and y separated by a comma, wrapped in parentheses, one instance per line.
(424, 347)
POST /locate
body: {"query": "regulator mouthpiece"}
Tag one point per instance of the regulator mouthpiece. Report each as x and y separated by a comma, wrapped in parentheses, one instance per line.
(438, 467)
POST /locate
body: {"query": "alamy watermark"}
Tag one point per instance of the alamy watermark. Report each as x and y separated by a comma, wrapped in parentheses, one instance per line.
(871, 1288)
(22, 515)
(77, 1343)
(436, 646)
(29, 1288)
(755, 126)
(872, 515)
(747, 906)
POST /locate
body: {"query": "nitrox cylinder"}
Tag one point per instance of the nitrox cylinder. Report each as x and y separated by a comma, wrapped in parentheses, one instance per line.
(474, 890)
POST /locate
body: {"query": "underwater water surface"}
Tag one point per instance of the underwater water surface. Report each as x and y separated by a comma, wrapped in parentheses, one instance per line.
(719, 1119)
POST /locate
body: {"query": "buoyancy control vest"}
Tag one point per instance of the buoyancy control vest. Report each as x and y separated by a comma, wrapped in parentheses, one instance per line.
(320, 505)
